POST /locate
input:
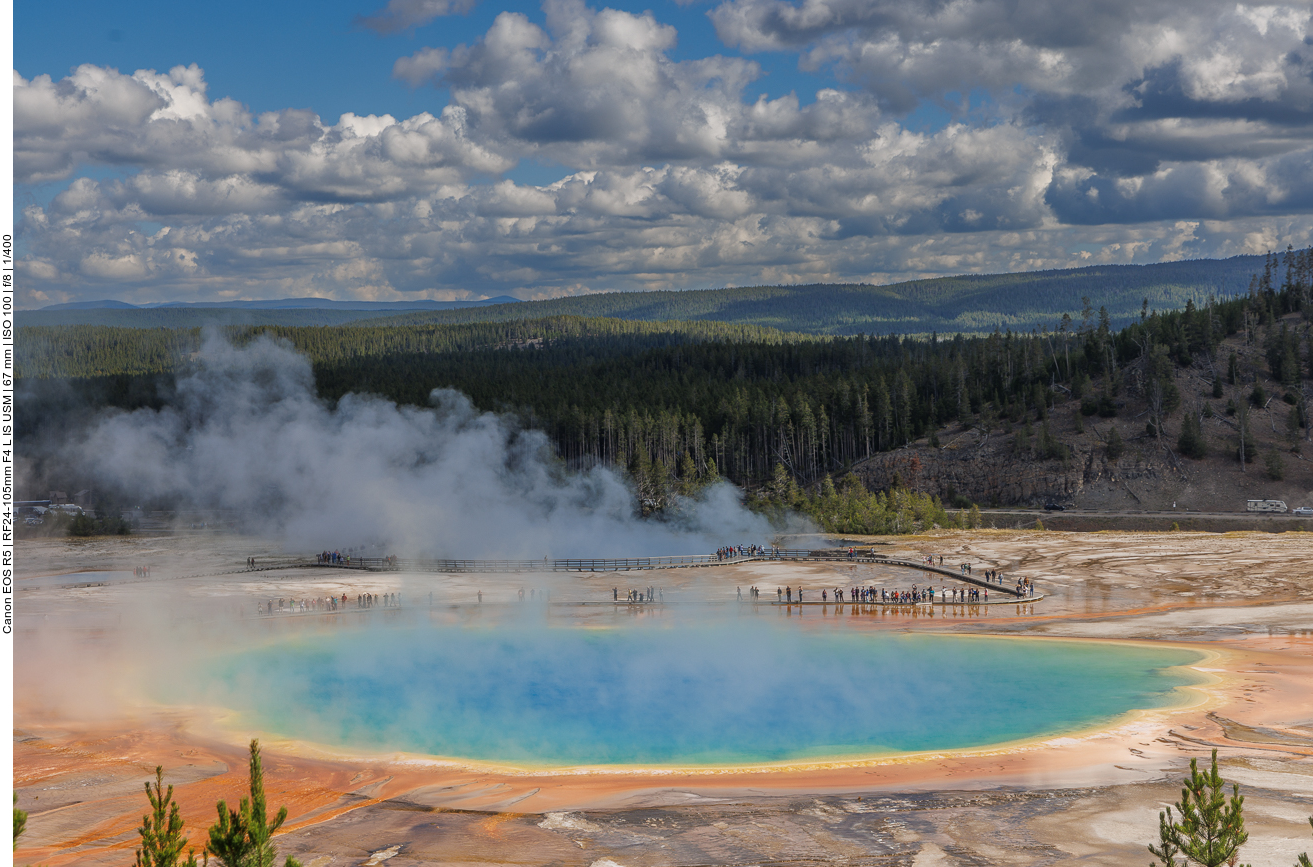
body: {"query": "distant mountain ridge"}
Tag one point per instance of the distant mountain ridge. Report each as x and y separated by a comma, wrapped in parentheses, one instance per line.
(968, 304)
(286, 311)
(284, 304)
(106, 304)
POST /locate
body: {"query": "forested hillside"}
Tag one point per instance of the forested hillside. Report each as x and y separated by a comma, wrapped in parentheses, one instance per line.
(678, 403)
(972, 304)
(88, 351)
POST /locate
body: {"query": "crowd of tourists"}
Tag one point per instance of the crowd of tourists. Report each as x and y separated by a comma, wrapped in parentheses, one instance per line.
(731, 551)
(871, 595)
(647, 594)
(1024, 587)
(338, 558)
(285, 605)
(875, 595)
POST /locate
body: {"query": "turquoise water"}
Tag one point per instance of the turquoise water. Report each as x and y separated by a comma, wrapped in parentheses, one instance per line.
(660, 696)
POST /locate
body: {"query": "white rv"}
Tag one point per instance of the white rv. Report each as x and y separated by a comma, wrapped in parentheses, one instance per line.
(1267, 505)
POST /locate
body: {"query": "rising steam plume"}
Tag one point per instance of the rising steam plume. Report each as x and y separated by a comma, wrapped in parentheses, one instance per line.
(247, 432)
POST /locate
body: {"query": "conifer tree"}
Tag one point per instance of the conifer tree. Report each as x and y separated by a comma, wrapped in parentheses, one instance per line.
(1191, 441)
(242, 837)
(688, 476)
(161, 831)
(1294, 423)
(1211, 828)
(1021, 441)
(1276, 468)
(1115, 446)
(783, 488)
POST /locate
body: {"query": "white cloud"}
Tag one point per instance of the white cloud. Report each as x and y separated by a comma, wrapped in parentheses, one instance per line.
(1109, 126)
(1113, 53)
(164, 122)
(401, 15)
(422, 67)
(129, 267)
(597, 88)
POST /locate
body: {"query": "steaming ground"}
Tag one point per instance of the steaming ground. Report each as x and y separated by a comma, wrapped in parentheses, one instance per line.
(86, 737)
(247, 433)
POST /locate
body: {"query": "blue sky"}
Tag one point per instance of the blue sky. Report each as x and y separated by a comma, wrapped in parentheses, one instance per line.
(467, 148)
(278, 55)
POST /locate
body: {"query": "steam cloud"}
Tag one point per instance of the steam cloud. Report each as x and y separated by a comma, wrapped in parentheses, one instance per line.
(247, 432)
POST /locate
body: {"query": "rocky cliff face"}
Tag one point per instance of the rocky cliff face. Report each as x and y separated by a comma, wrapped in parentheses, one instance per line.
(987, 470)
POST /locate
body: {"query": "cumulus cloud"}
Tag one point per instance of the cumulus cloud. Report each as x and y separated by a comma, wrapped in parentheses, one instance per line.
(422, 67)
(593, 88)
(162, 122)
(911, 49)
(406, 14)
(1157, 76)
(1074, 132)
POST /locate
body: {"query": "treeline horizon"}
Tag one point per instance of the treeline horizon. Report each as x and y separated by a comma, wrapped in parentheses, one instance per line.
(680, 404)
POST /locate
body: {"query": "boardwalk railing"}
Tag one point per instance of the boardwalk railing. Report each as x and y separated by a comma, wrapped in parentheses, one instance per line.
(390, 564)
(545, 565)
(568, 565)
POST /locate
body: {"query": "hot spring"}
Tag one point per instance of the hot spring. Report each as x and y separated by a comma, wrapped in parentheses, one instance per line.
(656, 695)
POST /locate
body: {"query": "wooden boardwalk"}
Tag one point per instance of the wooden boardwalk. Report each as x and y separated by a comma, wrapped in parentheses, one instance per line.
(628, 564)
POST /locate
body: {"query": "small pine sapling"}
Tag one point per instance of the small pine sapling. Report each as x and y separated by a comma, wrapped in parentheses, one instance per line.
(1211, 828)
(161, 831)
(241, 837)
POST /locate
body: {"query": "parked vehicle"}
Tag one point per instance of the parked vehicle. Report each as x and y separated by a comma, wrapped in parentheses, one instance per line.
(1303, 512)
(1055, 507)
(1267, 505)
